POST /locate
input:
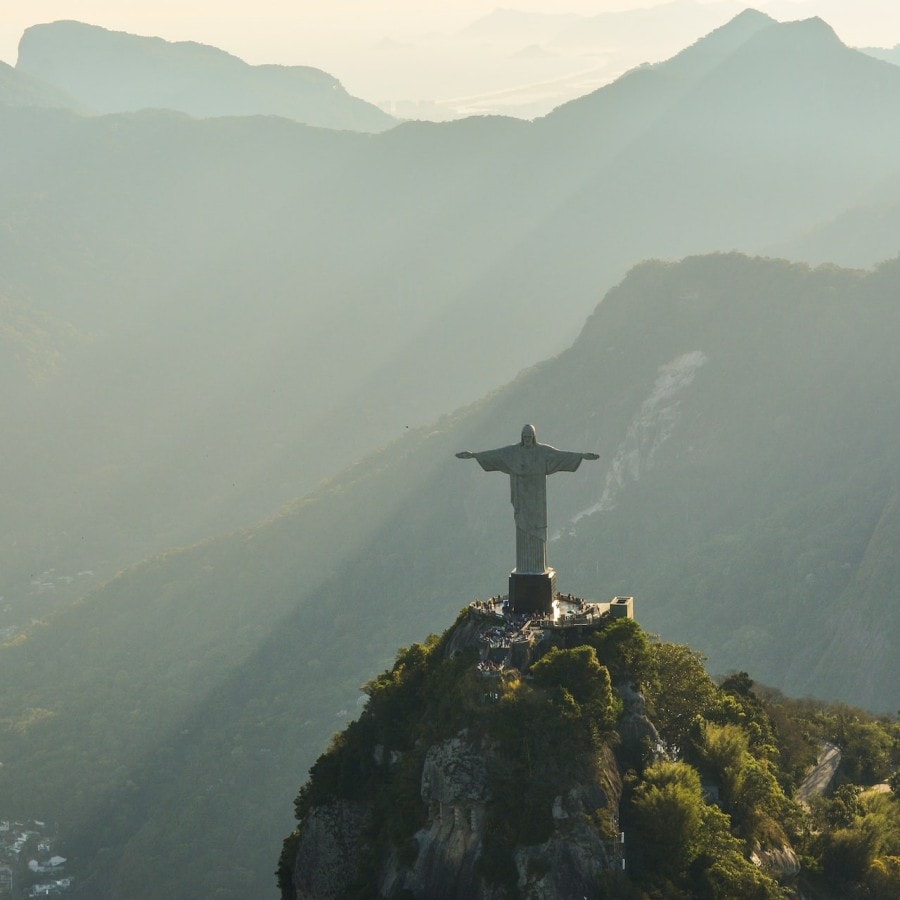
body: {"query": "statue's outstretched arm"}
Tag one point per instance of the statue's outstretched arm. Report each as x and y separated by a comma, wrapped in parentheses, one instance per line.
(583, 455)
(465, 454)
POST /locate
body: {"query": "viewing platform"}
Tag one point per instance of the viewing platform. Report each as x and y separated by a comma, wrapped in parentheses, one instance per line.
(507, 637)
(568, 611)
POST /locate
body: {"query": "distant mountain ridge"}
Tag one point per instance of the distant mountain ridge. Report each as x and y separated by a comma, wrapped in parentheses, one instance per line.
(111, 71)
(179, 243)
(19, 89)
(891, 55)
(639, 97)
(680, 19)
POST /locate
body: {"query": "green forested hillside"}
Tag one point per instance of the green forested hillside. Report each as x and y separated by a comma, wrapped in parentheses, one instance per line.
(745, 495)
(695, 793)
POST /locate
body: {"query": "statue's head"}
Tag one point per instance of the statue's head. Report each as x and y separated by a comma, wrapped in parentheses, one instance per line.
(529, 438)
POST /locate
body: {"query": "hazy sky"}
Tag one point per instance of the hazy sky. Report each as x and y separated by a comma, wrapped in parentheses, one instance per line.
(388, 50)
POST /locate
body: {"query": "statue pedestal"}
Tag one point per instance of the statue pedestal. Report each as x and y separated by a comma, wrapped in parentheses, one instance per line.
(532, 592)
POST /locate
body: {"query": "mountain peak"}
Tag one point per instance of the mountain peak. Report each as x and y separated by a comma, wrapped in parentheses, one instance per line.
(749, 17)
(758, 33)
(799, 35)
(813, 25)
(641, 90)
(114, 71)
(734, 32)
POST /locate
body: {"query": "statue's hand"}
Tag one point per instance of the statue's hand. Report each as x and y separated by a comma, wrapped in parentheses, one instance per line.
(590, 456)
(465, 454)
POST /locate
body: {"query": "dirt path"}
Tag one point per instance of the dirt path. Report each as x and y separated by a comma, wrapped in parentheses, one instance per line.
(820, 775)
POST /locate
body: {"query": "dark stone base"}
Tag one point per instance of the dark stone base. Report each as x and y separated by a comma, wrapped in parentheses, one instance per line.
(530, 593)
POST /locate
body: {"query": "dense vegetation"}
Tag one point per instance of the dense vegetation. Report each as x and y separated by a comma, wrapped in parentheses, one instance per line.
(716, 789)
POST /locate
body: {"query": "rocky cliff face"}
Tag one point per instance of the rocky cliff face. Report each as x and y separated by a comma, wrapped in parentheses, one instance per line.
(582, 846)
(333, 848)
(464, 780)
(456, 789)
(779, 860)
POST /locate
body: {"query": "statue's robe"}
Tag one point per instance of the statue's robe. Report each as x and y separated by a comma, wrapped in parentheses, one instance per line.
(528, 468)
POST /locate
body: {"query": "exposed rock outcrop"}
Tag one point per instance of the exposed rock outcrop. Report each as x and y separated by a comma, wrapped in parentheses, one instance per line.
(779, 861)
(637, 732)
(583, 844)
(456, 789)
(330, 851)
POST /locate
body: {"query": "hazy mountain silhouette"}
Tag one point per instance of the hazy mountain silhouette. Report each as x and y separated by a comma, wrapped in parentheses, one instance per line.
(675, 21)
(111, 71)
(746, 495)
(860, 237)
(233, 273)
(891, 55)
(19, 89)
(712, 148)
(611, 119)
(517, 24)
(679, 19)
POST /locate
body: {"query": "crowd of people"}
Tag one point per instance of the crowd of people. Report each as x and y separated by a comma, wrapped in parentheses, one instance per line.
(487, 667)
(518, 628)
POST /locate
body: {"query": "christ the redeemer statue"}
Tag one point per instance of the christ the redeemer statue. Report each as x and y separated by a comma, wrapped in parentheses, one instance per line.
(528, 464)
